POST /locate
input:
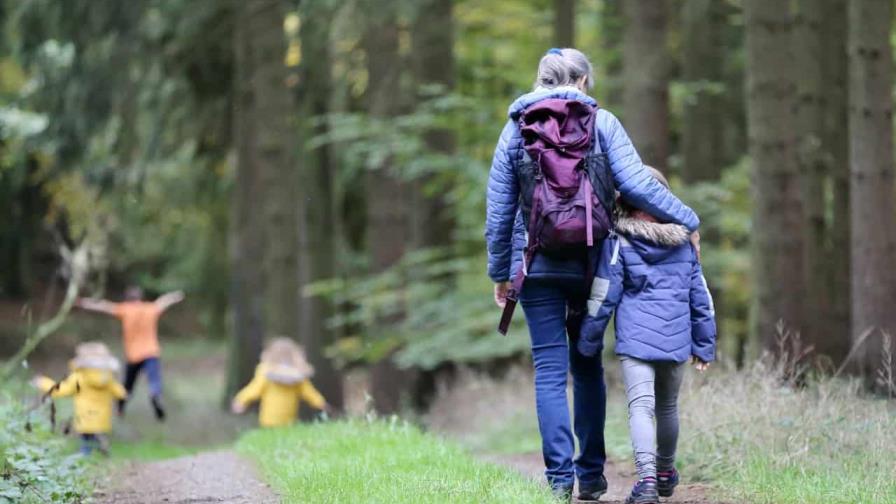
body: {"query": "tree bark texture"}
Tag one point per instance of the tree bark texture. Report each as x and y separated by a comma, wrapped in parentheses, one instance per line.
(777, 215)
(871, 177)
(646, 69)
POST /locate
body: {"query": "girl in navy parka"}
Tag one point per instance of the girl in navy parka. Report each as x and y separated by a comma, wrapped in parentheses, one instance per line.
(650, 275)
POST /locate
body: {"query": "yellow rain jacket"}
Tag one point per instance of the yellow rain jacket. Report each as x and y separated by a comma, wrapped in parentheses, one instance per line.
(279, 401)
(95, 390)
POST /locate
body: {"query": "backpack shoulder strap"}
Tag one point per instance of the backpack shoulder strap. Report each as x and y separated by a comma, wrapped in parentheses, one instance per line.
(598, 149)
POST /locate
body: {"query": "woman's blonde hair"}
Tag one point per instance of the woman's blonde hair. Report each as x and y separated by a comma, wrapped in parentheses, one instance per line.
(564, 67)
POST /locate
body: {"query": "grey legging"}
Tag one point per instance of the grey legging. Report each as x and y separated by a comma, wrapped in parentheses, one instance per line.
(652, 390)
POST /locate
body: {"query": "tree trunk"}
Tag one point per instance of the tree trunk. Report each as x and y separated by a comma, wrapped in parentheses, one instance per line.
(645, 63)
(836, 117)
(432, 41)
(274, 138)
(247, 247)
(432, 46)
(388, 227)
(813, 160)
(777, 214)
(565, 23)
(610, 54)
(703, 124)
(317, 236)
(871, 168)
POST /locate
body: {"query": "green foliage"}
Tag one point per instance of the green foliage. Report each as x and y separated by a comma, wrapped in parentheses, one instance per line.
(135, 148)
(36, 465)
(379, 462)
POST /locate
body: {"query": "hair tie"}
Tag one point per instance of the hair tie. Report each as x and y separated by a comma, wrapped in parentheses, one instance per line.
(556, 51)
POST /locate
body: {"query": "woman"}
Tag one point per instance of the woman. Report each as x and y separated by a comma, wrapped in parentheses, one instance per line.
(554, 287)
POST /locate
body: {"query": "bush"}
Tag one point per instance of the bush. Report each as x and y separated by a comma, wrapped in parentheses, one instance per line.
(36, 465)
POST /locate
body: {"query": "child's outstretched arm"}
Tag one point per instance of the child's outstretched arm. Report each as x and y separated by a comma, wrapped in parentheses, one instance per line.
(65, 388)
(703, 321)
(606, 291)
(168, 300)
(249, 394)
(118, 391)
(310, 395)
(97, 306)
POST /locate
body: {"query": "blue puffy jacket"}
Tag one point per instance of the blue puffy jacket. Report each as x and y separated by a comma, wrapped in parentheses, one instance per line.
(650, 276)
(504, 230)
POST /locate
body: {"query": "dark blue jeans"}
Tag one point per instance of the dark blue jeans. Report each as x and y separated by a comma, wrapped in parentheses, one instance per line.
(546, 305)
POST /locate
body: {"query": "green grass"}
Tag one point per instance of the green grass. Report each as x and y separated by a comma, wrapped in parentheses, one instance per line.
(762, 441)
(516, 434)
(379, 462)
(749, 434)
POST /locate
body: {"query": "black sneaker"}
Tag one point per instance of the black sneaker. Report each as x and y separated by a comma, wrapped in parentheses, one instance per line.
(158, 408)
(644, 492)
(666, 481)
(593, 491)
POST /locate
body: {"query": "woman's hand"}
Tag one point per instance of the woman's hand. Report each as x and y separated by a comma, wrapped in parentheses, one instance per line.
(237, 407)
(695, 241)
(699, 365)
(501, 290)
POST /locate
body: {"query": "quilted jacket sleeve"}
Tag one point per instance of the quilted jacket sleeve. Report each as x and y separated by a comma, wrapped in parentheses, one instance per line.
(635, 183)
(703, 323)
(606, 291)
(502, 200)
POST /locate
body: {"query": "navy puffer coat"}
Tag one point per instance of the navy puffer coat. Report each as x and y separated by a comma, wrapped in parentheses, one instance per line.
(650, 276)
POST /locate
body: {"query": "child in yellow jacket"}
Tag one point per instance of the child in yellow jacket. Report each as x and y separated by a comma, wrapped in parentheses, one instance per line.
(94, 387)
(281, 382)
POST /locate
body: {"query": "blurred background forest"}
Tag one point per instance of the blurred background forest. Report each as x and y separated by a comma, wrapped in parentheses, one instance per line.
(317, 169)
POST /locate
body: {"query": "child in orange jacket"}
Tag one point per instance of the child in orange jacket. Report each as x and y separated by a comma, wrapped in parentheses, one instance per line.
(94, 387)
(281, 382)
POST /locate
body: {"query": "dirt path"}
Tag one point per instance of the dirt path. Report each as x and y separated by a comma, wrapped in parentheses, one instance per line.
(619, 478)
(219, 476)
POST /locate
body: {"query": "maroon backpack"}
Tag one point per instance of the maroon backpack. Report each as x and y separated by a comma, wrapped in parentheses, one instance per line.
(566, 194)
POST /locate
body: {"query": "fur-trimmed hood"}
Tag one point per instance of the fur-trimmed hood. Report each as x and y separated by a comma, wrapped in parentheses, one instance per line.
(653, 241)
(666, 235)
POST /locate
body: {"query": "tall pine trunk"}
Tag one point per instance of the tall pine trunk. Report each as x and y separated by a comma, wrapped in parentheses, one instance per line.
(777, 214)
(432, 44)
(274, 139)
(871, 167)
(253, 24)
(610, 54)
(836, 94)
(565, 23)
(432, 49)
(646, 71)
(703, 124)
(813, 157)
(317, 235)
(388, 225)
